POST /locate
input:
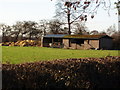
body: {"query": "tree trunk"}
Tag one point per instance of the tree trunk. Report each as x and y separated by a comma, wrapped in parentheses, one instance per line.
(69, 32)
(69, 28)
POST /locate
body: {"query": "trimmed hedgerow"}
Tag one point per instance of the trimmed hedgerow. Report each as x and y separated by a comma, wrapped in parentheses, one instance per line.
(68, 73)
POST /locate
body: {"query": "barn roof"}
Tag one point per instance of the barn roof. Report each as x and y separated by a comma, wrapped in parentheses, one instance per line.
(77, 36)
(87, 36)
(55, 35)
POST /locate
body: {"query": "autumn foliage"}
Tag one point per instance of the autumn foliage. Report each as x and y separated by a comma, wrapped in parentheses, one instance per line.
(69, 73)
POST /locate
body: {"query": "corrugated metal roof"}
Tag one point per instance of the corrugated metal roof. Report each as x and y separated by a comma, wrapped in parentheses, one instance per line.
(55, 35)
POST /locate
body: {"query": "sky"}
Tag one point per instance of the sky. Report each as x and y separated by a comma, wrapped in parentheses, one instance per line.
(36, 10)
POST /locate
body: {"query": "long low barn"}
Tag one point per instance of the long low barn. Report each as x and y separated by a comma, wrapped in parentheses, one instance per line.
(77, 41)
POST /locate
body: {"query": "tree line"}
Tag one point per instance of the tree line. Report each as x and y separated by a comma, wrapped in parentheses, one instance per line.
(35, 30)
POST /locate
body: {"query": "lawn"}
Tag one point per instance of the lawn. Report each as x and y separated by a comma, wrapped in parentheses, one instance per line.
(15, 55)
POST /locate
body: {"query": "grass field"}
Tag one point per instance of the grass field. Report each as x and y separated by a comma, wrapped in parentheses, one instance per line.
(15, 55)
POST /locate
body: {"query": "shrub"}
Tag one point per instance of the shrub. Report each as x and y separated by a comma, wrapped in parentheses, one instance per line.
(69, 73)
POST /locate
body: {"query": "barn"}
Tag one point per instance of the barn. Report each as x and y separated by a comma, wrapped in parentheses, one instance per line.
(77, 41)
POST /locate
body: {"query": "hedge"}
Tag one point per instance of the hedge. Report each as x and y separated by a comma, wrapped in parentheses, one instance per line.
(68, 73)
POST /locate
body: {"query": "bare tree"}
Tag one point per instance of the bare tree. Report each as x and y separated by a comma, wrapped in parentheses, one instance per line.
(94, 32)
(44, 25)
(29, 27)
(111, 30)
(17, 30)
(79, 28)
(103, 33)
(26, 29)
(75, 10)
(6, 32)
(116, 40)
(55, 26)
(118, 7)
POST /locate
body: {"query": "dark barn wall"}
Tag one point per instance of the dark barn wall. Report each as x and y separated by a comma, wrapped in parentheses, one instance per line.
(77, 43)
(46, 42)
(106, 43)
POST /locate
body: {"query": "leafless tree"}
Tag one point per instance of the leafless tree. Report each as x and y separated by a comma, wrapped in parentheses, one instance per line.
(31, 28)
(6, 32)
(111, 30)
(44, 25)
(118, 7)
(55, 27)
(75, 10)
(94, 32)
(79, 28)
(17, 31)
(116, 40)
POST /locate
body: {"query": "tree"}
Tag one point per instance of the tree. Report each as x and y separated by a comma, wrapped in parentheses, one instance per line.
(94, 32)
(6, 32)
(26, 29)
(80, 28)
(116, 40)
(31, 28)
(111, 30)
(17, 31)
(103, 33)
(44, 25)
(64, 30)
(55, 27)
(118, 7)
(75, 10)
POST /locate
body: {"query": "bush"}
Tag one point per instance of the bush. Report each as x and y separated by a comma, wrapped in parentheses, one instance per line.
(69, 73)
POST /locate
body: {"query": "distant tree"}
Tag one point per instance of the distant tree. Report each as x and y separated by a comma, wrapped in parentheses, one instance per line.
(103, 33)
(64, 30)
(6, 32)
(111, 30)
(44, 25)
(32, 29)
(17, 31)
(26, 29)
(116, 40)
(80, 28)
(94, 32)
(55, 27)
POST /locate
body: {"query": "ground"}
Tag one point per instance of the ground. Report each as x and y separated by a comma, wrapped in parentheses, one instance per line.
(16, 55)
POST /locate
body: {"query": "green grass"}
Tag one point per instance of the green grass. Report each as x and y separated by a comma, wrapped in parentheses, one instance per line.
(15, 55)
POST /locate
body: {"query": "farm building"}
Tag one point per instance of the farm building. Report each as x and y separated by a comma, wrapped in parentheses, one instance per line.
(77, 41)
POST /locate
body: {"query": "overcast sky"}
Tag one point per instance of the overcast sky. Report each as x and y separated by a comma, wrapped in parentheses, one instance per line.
(35, 10)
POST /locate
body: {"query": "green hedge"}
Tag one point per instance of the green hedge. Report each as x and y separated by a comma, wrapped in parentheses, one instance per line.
(68, 73)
